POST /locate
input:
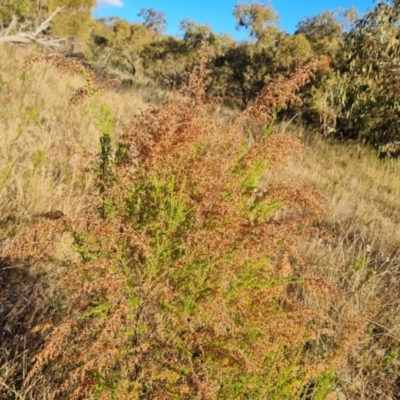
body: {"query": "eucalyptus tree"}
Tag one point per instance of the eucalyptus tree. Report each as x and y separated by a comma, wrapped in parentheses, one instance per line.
(325, 31)
(153, 19)
(370, 92)
(251, 61)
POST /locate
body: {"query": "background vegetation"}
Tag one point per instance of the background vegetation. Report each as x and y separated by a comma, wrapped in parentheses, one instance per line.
(356, 97)
(176, 228)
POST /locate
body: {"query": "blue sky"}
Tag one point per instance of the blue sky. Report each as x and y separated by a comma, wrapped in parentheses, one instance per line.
(218, 13)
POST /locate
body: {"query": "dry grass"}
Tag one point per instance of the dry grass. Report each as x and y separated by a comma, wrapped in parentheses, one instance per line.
(40, 135)
(188, 260)
(364, 260)
(40, 171)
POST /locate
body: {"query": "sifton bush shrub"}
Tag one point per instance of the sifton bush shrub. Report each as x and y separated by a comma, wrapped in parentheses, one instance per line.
(187, 276)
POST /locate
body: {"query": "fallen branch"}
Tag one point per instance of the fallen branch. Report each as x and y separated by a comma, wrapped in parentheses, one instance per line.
(37, 36)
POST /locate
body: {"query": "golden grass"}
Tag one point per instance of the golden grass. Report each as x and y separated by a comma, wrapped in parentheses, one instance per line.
(36, 125)
(364, 260)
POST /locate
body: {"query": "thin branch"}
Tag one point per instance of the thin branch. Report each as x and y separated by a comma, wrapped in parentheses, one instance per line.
(44, 25)
(12, 25)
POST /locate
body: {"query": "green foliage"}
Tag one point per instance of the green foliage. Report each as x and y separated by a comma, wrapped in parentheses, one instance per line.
(75, 20)
(292, 51)
(5, 173)
(38, 158)
(120, 44)
(322, 387)
(10, 8)
(369, 92)
(3, 83)
(107, 157)
(391, 360)
(193, 33)
(325, 31)
(260, 20)
(251, 64)
(323, 101)
(31, 115)
(165, 61)
(169, 60)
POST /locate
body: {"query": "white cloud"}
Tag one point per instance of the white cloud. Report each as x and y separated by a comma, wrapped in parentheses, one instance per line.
(110, 3)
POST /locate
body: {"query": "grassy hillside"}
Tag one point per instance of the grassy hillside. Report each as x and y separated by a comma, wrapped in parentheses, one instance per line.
(36, 124)
(196, 254)
(364, 216)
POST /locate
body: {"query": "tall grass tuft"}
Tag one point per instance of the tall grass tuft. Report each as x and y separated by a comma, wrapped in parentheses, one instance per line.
(184, 280)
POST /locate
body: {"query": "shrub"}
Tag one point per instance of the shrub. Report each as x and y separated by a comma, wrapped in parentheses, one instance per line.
(187, 278)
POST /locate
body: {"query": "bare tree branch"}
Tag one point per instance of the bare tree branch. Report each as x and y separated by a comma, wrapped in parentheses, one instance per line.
(10, 27)
(45, 24)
